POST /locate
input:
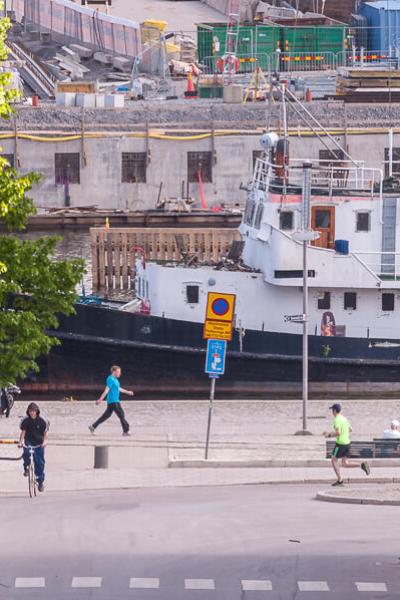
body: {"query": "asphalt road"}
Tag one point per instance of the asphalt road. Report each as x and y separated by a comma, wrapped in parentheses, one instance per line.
(232, 543)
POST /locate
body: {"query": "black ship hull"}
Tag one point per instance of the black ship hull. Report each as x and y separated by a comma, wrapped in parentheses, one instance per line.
(165, 357)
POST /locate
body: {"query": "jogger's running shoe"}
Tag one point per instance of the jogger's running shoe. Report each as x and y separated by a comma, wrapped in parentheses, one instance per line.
(126, 433)
(338, 482)
(365, 468)
(91, 429)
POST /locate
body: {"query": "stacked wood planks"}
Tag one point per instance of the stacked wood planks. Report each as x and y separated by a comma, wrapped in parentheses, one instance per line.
(368, 83)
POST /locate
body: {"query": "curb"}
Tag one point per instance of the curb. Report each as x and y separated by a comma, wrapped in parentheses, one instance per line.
(328, 497)
(270, 463)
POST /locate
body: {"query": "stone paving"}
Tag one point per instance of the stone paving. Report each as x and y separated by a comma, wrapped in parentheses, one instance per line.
(253, 438)
(384, 494)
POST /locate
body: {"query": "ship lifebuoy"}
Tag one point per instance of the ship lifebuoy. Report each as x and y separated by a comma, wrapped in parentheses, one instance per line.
(145, 307)
(225, 62)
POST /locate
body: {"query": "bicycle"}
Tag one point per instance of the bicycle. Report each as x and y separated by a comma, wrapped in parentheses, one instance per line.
(32, 481)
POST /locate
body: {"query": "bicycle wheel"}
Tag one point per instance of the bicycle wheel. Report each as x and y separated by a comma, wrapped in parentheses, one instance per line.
(31, 480)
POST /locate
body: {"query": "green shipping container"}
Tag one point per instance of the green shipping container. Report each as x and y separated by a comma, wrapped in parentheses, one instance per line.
(311, 41)
(255, 43)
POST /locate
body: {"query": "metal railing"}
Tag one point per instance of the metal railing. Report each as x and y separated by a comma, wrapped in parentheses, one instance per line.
(340, 174)
(245, 63)
(306, 61)
(385, 265)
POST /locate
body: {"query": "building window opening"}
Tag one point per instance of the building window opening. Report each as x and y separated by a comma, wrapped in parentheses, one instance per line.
(192, 294)
(387, 302)
(67, 168)
(199, 163)
(363, 221)
(134, 167)
(286, 220)
(395, 161)
(350, 301)
(10, 159)
(324, 303)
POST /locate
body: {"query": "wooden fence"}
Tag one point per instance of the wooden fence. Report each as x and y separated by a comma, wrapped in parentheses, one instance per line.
(114, 250)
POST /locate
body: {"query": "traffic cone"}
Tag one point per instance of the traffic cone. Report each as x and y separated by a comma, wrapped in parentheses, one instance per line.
(191, 91)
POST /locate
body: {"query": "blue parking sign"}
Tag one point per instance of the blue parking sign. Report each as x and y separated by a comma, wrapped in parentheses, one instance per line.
(215, 359)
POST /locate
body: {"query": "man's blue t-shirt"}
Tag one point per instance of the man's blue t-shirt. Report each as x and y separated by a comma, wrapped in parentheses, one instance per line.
(113, 395)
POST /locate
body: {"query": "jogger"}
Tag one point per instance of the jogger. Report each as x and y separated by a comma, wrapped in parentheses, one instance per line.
(111, 392)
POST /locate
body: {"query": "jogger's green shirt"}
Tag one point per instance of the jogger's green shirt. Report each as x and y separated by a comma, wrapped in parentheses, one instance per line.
(341, 424)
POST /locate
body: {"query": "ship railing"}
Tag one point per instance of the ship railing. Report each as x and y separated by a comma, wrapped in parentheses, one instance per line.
(327, 175)
(385, 265)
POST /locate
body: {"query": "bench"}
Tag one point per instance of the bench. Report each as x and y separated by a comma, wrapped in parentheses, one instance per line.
(377, 448)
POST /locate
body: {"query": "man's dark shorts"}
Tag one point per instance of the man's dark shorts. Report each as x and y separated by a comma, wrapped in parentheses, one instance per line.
(341, 450)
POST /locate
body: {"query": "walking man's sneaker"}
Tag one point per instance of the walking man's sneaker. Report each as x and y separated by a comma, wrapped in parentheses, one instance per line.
(126, 433)
(26, 471)
(41, 487)
(337, 483)
(365, 468)
(91, 429)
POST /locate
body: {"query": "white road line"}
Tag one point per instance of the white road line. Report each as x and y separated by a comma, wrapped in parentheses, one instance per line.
(256, 585)
(144, 583)
(371, 586)
(313, 586)
(199, 584)
(30, 582)
(86, 582)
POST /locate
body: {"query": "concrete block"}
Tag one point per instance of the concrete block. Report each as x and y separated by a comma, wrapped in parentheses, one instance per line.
(114, 101)
(103, 58)
(86, 100)
(121, 63)
(100, 101)
(65, 98)
(233, 94)
(82, 51)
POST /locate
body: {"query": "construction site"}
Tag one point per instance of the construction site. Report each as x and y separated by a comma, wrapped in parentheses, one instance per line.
(126, 107)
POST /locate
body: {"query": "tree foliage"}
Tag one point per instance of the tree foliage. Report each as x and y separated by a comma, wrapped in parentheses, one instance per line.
(34, 286)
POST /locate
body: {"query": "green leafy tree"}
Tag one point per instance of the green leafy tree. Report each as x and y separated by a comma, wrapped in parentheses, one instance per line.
(34, 286)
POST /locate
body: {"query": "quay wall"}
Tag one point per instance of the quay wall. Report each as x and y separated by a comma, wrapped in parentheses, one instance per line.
(101, 141)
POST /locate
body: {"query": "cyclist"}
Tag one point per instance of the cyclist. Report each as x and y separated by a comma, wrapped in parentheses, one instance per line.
(34, 433)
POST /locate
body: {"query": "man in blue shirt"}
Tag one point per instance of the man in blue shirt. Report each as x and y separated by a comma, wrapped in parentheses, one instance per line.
(112, 391)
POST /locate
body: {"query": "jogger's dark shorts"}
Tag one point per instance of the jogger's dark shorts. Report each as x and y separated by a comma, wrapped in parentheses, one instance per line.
(341, 450)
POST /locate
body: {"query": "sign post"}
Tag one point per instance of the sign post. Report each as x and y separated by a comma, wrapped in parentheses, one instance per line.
(215, 366)
(218, 327)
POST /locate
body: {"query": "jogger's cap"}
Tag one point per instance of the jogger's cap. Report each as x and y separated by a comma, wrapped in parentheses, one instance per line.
(336, 407)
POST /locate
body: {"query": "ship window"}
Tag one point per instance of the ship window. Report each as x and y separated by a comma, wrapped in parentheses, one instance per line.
(387, 302)
(199, 162)
(192, 294)
(350, 301)
(324, 303)
(249, 212)
(286, 220)
(363, 221)
(139, 287)
(259, 214)
(133, 167)
(67, 167)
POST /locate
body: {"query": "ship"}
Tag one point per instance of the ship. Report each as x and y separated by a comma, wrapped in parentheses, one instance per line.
(353, 294)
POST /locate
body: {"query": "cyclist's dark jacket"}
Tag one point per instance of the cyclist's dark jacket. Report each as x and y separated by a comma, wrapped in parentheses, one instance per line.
(34, 430)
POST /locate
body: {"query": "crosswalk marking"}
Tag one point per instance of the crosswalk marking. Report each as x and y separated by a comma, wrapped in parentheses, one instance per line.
(144, 583)
(199, 584)
(30, 582)
(86, 582)
(313, 586)
(256, 585)
(371, 586)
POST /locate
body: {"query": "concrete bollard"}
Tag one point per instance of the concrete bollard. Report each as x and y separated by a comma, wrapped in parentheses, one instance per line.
(101, 457)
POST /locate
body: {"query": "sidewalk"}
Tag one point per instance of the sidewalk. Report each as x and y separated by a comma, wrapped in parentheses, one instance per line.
(251, 443)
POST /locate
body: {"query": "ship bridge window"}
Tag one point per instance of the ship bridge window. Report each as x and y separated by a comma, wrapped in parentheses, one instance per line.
(192, 294)
(259, 214)
(395, 161)
(286, 220)
(249, 211)
(387, 302)
(324, 303)
(350, 301)
(363, 221)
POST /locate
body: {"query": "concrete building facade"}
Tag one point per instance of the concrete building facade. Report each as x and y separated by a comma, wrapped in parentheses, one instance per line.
(129, 168)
